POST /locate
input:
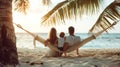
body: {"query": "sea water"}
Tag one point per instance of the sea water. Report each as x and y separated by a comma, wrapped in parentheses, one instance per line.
(110, 40)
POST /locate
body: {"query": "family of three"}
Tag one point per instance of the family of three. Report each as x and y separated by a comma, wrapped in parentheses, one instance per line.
(63, 42)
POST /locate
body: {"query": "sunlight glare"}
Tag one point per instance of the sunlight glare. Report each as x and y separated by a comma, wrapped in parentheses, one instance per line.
(31, 21)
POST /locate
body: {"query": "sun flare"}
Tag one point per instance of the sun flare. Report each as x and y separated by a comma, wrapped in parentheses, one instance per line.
(32, 20)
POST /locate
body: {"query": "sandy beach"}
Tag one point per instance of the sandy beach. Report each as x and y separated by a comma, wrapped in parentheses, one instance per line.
(87, 58)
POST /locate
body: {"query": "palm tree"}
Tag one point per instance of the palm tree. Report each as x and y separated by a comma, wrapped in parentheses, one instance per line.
(69, 9)
(8, 50)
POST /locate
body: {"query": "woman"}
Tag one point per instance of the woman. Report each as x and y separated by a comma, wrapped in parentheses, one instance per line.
(52, 37)
(53, 40)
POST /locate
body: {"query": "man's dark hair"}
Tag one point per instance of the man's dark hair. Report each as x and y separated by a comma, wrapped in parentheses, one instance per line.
(71, 30)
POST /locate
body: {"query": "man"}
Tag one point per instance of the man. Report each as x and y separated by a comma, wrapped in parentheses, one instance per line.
(71, 40)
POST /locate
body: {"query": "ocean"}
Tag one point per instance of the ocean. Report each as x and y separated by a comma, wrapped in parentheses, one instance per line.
(106, 40)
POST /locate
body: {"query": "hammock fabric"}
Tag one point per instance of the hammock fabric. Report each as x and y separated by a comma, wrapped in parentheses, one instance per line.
(74, 47)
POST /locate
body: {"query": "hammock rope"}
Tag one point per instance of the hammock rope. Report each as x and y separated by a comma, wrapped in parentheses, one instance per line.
(74, 47)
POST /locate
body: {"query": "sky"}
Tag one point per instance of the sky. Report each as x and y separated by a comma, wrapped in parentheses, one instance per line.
(31, 21)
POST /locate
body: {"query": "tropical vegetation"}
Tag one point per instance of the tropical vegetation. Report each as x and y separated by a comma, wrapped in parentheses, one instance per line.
(72, 8)
(64, 10)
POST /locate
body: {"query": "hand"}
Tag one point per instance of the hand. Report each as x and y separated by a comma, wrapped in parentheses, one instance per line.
(46, 43)
(18, 25)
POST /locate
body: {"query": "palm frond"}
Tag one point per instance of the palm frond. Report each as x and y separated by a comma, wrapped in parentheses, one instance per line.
(70, 9)
(46, 2)
(21, 5)
(108, 17)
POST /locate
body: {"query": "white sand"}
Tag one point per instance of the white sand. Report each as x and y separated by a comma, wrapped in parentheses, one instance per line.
(88, 58)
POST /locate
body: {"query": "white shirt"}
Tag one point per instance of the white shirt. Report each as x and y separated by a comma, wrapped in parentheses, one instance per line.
(71, 40)
(61, 42)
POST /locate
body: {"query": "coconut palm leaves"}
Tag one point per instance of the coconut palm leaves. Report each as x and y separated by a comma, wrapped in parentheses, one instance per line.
(70, 9)
(46, 2)
(108, 17)
(21, 5)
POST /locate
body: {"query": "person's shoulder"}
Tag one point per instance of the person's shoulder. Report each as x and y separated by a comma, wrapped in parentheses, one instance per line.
(77, 36)
(68, 37)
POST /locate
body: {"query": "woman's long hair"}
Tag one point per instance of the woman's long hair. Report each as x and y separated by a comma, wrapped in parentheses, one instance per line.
(53, 36)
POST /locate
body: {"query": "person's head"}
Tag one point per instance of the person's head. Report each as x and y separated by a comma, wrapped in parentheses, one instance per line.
(71, 30)
(62, 34)
(53, 35)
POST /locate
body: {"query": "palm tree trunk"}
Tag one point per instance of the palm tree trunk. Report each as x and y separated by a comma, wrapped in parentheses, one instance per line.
(8, 50)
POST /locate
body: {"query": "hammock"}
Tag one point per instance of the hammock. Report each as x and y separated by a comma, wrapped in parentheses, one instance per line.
(74, 47)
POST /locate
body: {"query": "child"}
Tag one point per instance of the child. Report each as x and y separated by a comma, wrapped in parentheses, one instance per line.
(61, 42)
